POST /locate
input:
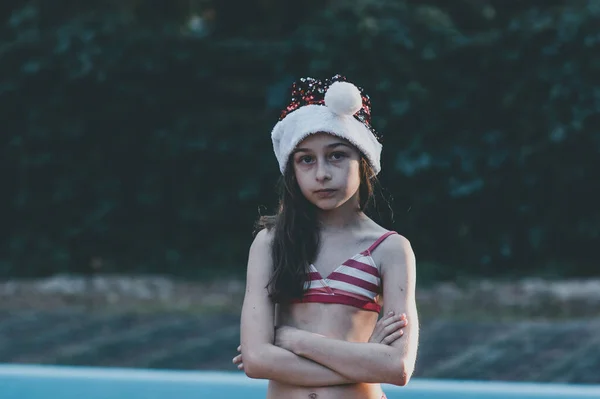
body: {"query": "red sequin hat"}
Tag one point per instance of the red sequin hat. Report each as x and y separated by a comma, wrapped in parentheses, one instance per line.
(334, 106)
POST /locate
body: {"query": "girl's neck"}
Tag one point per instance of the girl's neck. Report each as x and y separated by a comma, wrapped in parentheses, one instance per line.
(345, 217)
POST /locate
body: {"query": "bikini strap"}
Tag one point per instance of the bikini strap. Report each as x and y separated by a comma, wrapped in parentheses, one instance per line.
(376, 243)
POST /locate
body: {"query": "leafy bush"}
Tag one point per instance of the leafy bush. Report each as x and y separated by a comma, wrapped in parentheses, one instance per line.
(133, 145)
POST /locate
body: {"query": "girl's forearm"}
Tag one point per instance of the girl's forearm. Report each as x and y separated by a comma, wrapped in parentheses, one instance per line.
(365, 362)
(274, 363)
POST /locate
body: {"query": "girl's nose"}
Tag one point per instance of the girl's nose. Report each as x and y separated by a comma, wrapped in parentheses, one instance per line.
(323, 172)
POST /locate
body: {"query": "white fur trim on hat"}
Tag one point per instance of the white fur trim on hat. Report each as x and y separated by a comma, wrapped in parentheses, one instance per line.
(311, 119)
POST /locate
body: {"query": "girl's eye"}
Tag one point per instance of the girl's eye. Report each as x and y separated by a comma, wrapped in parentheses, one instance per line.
(336, 156)
(305, 159)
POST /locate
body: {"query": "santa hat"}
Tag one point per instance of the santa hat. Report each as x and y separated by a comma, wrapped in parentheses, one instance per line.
(333, 106)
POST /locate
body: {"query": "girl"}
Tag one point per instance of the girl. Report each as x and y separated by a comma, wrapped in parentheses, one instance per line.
(320, 271)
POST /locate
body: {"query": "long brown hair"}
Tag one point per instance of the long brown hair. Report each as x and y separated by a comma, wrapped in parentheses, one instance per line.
(296, 234)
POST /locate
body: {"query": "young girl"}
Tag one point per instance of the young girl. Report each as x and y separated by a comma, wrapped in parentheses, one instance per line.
(320, 271)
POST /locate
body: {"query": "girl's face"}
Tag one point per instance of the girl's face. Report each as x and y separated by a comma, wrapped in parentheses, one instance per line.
(327, 170)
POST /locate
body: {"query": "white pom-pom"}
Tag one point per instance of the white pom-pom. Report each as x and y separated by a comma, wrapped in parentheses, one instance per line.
(343, 98)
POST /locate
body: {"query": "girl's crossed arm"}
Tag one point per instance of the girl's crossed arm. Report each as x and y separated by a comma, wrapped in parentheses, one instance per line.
(262, 359)
(371, 362)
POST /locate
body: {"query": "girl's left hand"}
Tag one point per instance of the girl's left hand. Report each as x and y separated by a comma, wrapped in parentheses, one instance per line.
(238, 361)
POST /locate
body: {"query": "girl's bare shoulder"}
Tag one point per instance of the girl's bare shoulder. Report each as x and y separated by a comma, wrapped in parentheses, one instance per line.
(264, 238)
(396, 249)
(392, 247)
(373, 231)
(259, 257)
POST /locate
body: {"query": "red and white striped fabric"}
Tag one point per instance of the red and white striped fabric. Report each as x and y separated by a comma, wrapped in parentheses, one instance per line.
(356, 282)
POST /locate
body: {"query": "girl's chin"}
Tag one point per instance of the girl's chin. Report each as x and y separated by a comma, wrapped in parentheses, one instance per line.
(328, 204)
(327, 208)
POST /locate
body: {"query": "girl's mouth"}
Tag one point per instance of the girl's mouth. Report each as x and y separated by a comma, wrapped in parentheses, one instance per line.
(325, 193)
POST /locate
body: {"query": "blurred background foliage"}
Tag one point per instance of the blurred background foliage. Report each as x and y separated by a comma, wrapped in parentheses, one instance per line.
(135, 133)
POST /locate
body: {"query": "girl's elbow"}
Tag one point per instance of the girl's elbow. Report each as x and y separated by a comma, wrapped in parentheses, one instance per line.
(252, 367)
(402, 373)
(401, 380)
(251, 371)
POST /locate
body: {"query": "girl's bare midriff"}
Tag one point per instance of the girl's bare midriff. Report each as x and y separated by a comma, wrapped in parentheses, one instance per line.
(334, 321)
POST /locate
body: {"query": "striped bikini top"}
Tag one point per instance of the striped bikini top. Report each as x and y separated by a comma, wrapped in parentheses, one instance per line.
(356, 282)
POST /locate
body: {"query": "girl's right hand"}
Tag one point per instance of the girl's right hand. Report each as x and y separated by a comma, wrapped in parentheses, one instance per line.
(388, 329)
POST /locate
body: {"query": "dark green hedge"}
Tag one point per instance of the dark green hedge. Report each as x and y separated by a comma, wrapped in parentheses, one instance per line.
(131, 145)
